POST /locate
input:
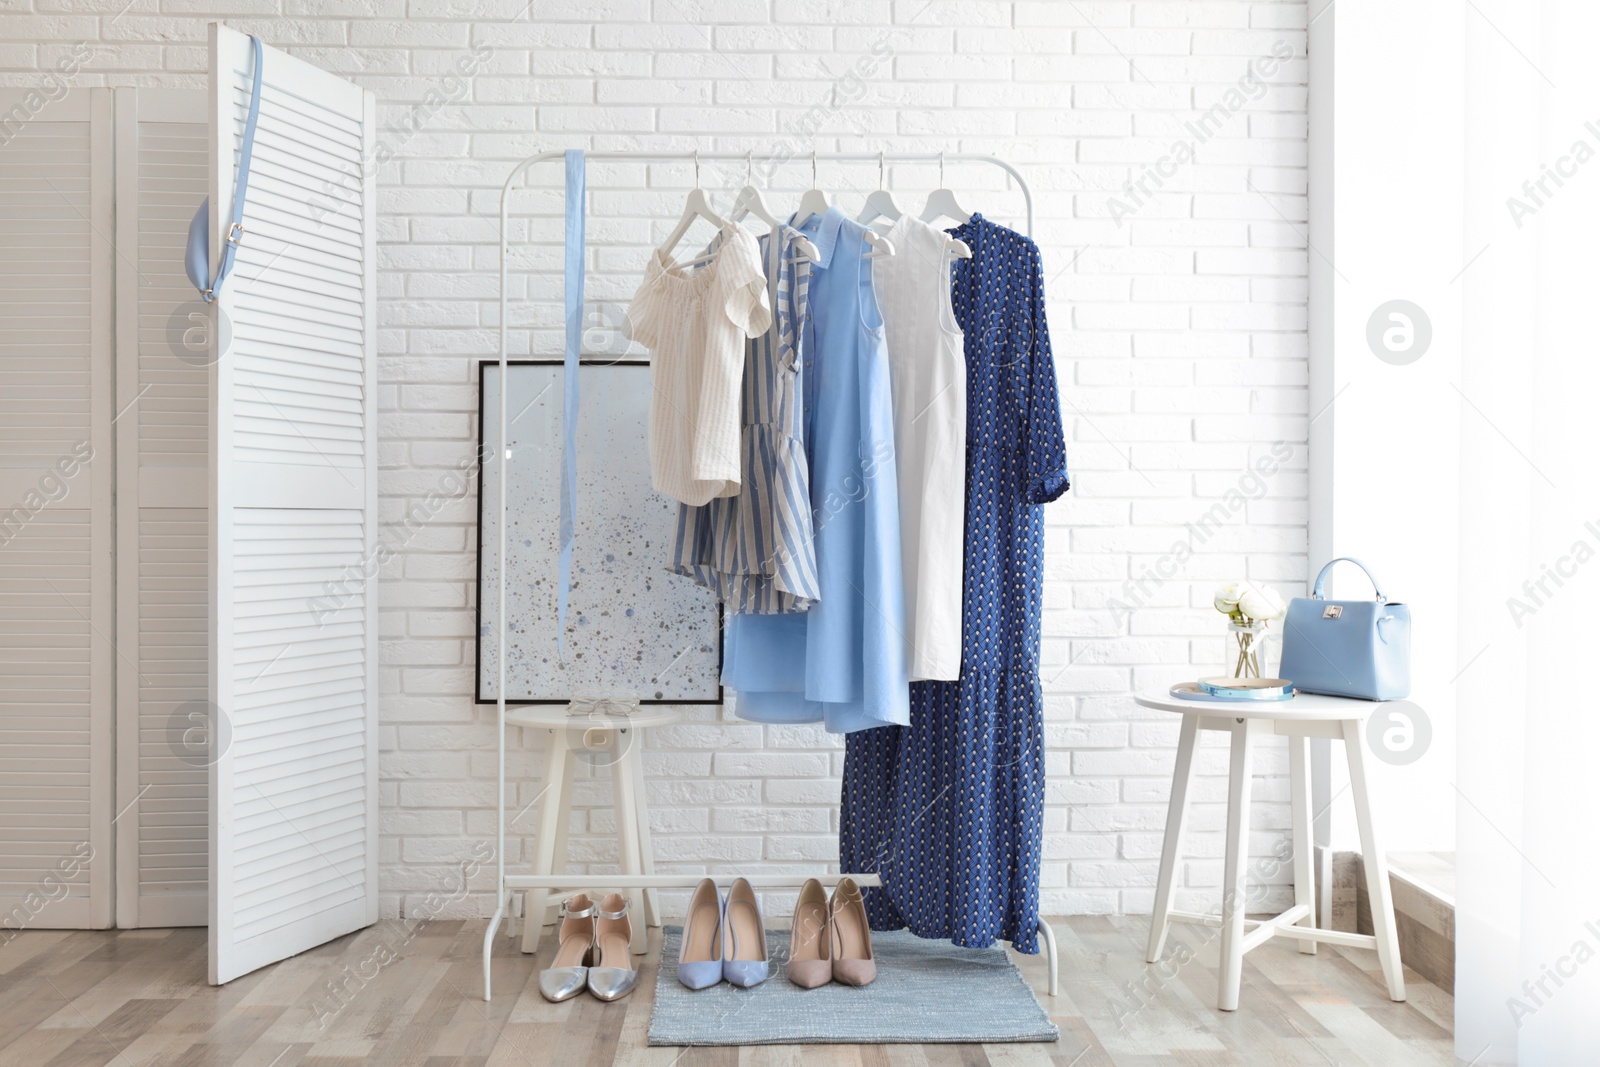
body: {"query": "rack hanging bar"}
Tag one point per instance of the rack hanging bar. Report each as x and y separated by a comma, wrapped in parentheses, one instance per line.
(505, 885)
(739, 157)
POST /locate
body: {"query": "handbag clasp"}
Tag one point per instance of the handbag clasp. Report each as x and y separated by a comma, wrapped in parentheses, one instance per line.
(1333, 611)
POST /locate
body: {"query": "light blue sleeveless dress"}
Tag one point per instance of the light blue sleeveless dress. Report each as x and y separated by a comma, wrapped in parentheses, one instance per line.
(842, 663)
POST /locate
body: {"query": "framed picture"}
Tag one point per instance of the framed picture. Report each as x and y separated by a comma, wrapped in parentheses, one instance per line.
(632, 625)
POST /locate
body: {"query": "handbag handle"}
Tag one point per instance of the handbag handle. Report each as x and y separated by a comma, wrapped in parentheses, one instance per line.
(1320, 585)
(198, 252)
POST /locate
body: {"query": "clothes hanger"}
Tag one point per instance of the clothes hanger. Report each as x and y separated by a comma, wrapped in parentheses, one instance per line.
(749, 201)
(696, 206)
(942, 204)
(815, 201)
(880, 202)
(882, 247)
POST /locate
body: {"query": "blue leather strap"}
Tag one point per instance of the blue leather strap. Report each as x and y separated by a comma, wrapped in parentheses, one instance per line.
(1319, 588)
(235, 234)
(569, 373)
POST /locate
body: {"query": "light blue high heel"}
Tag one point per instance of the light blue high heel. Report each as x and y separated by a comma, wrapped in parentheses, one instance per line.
(700, 954)
(744, 943)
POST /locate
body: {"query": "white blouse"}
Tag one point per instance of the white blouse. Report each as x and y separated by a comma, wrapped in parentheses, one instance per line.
(695, 321)
(928, 379)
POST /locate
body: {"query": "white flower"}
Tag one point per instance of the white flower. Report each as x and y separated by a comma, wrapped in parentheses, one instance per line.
(1261, 603)
(1226, 599)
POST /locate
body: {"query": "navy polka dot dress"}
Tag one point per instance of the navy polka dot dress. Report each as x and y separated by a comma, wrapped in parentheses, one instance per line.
(950, 809)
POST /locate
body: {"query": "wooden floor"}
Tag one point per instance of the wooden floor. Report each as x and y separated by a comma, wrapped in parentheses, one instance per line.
(411, 994)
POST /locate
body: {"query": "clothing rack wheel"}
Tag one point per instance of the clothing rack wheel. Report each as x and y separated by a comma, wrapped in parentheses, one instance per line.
(504, 883)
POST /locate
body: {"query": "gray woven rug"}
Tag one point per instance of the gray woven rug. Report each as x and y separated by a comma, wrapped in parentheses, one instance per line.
(926, 992)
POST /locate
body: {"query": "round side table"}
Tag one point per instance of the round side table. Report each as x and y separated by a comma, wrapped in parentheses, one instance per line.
(1305, 716)
(602, 741)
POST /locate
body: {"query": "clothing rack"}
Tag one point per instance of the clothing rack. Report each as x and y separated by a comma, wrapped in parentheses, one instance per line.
(508, 884)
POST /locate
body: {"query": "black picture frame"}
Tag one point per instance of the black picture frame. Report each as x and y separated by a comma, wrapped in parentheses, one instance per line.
(477, 608)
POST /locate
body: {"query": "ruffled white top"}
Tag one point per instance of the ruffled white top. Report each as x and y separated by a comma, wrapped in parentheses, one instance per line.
(695, 322)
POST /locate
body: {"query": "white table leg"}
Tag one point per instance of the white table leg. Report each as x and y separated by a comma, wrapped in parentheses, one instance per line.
(623, 778)
(1300, 836)
(647, 857)
(1234, 887)
(1373, 862)
(1177, 808)
(552, 815)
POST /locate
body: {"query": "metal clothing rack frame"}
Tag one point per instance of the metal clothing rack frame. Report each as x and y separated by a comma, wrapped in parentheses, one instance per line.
(508, 884)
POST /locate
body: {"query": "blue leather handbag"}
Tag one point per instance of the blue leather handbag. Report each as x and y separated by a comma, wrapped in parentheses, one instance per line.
(1348, 648)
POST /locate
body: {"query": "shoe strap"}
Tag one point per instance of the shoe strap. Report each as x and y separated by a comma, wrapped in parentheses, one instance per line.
(583, 913)
(627, 903)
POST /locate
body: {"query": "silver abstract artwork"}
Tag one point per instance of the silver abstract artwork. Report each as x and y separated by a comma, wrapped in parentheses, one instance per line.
(631, 625)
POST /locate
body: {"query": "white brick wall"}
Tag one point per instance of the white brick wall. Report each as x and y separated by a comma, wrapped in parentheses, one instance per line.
(1179, 331)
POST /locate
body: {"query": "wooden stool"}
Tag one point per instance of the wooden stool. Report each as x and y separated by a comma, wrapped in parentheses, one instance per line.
(1304, 717)
(618, 742)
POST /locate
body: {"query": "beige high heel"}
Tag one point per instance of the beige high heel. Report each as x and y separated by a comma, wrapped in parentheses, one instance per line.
(568, 973)
(810, 960)
(852, 937)
(612, 975)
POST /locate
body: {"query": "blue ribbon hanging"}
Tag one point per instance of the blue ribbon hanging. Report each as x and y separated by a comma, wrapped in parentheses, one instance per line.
(569, 374)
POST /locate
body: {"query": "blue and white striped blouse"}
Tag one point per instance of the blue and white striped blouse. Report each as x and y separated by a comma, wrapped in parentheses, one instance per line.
(756, 549)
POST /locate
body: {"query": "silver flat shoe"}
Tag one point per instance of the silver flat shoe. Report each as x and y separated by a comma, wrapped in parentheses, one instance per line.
(568, 973)
(562, 983)
(613, 976)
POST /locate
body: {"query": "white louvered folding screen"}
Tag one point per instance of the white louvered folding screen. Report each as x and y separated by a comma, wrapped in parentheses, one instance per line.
(162, 439)
(56, 596)
(293, 780)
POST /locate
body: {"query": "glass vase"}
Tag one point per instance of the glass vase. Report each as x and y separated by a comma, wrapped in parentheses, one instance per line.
(1247, 648)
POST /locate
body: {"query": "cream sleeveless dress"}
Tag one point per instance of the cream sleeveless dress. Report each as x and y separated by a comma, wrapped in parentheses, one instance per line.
(928, 379)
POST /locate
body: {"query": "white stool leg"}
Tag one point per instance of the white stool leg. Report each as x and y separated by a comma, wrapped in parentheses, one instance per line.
(1177, 808)
(647, 856)
(558, 857)
(627, 806)
(1300, 836)
(1234, 888)
(551, 817)
(1372, 860)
